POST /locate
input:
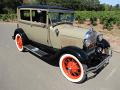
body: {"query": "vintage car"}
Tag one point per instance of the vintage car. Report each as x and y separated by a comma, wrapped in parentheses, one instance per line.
(43, 30)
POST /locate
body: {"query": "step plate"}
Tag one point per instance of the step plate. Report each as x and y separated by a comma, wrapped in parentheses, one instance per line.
(35, 50)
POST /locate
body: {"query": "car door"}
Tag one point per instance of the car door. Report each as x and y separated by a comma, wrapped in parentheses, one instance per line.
(38, 30)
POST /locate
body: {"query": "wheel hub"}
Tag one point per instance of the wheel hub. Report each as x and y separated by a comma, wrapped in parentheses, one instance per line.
(19, 42)
(71, 68)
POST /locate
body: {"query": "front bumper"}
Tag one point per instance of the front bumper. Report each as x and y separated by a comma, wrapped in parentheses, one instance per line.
(100, 65)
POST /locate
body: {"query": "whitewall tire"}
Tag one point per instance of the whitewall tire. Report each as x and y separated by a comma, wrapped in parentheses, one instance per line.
(72, 68)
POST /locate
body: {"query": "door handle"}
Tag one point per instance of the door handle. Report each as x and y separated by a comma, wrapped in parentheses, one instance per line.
(57, 32)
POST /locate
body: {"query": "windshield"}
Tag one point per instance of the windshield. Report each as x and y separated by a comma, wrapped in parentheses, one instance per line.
(58, 17)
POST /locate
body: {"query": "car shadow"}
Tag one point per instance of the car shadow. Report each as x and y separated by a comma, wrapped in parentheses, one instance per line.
(49, 59)
(52, 60)
(96, 73)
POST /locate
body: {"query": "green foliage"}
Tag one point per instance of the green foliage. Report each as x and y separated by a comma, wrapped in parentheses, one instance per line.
(8, 17)
(9, 6)
(73, 4)
(107, 18)
(93, 20)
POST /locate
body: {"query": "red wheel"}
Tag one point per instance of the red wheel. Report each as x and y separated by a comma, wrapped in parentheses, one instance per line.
(71, 68)
(19, 42)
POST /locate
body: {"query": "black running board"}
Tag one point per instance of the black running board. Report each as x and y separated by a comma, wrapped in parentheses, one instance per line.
(35, 50)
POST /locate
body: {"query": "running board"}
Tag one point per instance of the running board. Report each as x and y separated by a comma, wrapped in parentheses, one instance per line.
(35, 50)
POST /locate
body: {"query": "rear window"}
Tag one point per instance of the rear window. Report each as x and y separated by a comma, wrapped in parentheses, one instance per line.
(25, 15)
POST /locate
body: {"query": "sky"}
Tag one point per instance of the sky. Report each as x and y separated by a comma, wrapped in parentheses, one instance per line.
(111, 2)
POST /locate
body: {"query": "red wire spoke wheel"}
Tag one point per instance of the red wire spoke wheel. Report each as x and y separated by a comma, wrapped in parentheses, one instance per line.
(71, 68)
(19, 42)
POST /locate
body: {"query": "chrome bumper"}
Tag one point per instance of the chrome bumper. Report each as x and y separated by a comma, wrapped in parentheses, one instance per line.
(100, 65)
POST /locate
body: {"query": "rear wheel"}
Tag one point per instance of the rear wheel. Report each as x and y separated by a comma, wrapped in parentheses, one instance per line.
(72, 68)
(19, 42)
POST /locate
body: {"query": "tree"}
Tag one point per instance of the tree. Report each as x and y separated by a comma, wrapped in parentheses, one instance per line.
(73, 4)
(8, 6)
(117, 7)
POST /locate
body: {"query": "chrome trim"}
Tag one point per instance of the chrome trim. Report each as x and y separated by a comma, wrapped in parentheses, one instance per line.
(104, 62)
(91, 35)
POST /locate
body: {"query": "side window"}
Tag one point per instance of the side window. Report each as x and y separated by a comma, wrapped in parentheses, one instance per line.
(39, 16)
(25, 15)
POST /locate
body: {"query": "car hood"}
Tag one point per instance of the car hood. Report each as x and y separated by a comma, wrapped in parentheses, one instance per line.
(71, 31)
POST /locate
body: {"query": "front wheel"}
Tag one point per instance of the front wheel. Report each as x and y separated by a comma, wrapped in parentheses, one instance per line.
(72, 68)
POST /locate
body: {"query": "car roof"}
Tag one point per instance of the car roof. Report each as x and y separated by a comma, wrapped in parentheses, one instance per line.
(44, 7)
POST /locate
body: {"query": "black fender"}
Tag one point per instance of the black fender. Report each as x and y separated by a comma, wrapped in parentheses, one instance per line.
(104, 44)
(77, 52)
(23, 35)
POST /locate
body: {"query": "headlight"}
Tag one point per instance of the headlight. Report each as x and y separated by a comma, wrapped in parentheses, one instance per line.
(87, 42)
(100, 37)
(87, 39)
(87, 36)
